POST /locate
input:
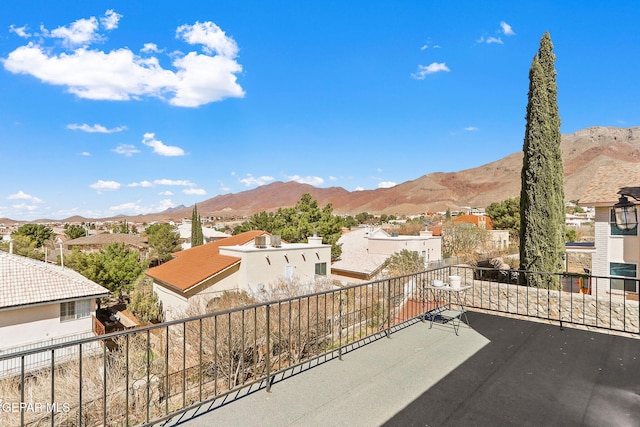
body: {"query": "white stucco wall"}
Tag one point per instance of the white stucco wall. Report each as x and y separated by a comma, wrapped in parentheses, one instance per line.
(428, 246)
(622, 249)
(173, 304)
(39, 324)
(267, 266)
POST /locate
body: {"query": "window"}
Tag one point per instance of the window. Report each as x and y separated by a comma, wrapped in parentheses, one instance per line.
(615, 231)
(321, 269)
(75, 310)
(624, 270)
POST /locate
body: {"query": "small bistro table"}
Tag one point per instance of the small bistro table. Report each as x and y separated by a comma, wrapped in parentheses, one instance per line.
(450, 305)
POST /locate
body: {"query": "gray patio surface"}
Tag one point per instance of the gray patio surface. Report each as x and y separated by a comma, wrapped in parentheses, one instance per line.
(499, 372)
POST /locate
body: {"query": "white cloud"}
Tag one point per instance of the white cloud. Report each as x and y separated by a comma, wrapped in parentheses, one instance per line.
(428, 45)
(387, 184)
(434, 67)
(101, 185)
(165, 193)
(20, 195)
(20, 31)
(131, 208)
(134, 208)
(210, 36)
(311, 180)
(25, 207)
(110, 20)
(164, 205)
(471, 128)
(181, 183)
(333, 178)
(251, 180)
(194, 191)
(506, 29)
(358, 189)
(127, 150)
(95, 128)
(79, 33)
(202, 79)
(150, 48)
(149, 139)
(145, 184)
(120, 75)
(85, 153)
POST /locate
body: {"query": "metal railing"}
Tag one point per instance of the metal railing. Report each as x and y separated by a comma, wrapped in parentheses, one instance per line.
(598, 302)
(151, 373)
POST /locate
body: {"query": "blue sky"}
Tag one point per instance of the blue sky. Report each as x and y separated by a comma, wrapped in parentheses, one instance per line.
(125, 107)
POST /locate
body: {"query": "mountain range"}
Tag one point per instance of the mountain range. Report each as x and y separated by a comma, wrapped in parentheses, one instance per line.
(583, 153)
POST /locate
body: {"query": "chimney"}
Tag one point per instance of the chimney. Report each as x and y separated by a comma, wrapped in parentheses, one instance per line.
(275, 241)
(260, 242)
(314, 240)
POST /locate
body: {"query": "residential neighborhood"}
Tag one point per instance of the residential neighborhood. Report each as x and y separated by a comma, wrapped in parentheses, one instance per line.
(319, 213)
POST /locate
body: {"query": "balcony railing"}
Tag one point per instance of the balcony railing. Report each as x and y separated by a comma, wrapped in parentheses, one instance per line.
(148, 374)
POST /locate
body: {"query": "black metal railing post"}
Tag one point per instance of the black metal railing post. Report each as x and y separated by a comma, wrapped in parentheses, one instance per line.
(126, 371)
(388, 330)
(80, 384)
(340, 326)
(22, 387)
(268, 347)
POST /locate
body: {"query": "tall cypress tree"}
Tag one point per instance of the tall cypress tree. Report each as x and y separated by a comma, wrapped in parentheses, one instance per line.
(542, 194)
(196, 228)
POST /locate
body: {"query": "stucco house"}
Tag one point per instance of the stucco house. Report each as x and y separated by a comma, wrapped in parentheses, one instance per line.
(365, 251)
(253, 262)
(43, 304)
(208, 234)
(617, 251)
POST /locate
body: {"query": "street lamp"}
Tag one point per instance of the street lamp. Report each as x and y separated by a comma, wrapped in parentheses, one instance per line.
(625, 211)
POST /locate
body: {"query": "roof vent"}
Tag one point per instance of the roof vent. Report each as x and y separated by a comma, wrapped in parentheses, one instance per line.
(276, 242)
(260, 241)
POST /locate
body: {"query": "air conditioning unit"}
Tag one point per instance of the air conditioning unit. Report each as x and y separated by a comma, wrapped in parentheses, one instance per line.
(276, 241)
(260, 242)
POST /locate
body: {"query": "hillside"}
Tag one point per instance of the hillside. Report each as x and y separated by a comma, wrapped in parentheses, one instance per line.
(583, 152)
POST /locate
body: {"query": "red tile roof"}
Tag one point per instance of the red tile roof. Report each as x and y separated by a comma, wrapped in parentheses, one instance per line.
(193, 266)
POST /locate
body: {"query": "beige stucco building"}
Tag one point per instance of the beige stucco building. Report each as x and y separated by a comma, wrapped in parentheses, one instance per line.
(253, 262)
(617, 252)
(366, 250)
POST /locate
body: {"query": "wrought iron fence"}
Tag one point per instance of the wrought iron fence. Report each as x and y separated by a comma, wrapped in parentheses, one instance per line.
(148, 374)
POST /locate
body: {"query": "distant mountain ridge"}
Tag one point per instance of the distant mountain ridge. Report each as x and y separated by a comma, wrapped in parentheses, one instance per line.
(583, 152)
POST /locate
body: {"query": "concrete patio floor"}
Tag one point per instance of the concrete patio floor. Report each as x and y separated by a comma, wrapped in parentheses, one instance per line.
(499, 372)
